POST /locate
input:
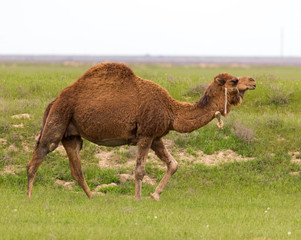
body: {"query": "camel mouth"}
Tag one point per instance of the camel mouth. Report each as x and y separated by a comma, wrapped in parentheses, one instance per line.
(251, 86)
(242, 94)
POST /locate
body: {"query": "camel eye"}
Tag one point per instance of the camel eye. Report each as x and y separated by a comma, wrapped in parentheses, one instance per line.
(252, 80)
(234, 81)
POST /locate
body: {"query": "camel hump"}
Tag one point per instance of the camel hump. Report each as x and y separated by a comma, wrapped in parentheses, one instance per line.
(117, 70)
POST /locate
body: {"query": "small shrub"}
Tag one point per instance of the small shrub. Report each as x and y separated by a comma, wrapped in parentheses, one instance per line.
(243, 133)
(274, 122)
(197, 90)
(278, 96)
(4, 126)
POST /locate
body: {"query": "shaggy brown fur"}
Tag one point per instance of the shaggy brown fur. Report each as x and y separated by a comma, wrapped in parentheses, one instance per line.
(109, 105)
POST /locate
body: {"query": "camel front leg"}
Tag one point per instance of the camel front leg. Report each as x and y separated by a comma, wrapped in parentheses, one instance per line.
(143, 147)
(32, 167)
(72, 146)
(171, 163)
(220, 122)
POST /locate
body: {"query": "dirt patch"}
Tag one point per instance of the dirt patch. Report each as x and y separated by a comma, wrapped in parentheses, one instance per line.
(3, 141)
(104, 186)
(65, 184)
(13, 148)
(149, 180)
(12, 169)
(26, 148)
(37, 136)
(21, 116)
(111, 159)
(126, 177)
(21, 125)
(296, 157)
(214, 159)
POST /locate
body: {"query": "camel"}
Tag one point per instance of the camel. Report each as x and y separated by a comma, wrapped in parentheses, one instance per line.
(109, 105)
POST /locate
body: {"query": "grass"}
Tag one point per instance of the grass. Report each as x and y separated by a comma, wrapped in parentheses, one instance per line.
(258, 199)
(205, 212)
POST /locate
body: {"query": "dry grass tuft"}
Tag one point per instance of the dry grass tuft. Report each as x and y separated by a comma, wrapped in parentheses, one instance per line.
(197, 90)
(243, 133)
(278, 96)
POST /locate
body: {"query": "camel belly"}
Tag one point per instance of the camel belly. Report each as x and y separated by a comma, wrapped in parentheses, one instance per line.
(115, 142)
(105, 133)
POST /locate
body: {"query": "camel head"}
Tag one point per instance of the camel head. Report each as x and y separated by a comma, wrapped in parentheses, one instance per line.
(223, 85)
(234, 92)
(244, 84)
(230, 86)
(228, 81)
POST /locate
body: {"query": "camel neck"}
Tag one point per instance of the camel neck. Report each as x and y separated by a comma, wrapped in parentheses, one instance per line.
(189, 117)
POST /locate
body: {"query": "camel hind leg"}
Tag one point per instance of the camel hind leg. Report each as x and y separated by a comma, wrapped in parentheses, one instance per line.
(72, 146)
(52, 133)
(172, 166)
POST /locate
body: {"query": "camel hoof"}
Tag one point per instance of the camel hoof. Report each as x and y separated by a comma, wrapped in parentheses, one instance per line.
(155, 196)
(220, 124)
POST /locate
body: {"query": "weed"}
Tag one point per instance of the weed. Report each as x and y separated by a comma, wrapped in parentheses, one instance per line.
(245, 134)
(197, 90)
(279, 96)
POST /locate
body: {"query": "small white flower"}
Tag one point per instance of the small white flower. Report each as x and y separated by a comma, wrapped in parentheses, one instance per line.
(15, 210)
(207, 226)
(289, 233)
(156, 217)
(265, 211)
(268, 208)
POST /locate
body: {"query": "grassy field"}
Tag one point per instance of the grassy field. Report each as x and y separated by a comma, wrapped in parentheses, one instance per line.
(255, 199)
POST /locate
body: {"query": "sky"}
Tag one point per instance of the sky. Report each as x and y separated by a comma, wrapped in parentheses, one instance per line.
(154, 27)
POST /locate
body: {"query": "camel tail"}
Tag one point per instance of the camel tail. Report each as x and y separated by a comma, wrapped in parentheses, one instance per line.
(46, 113)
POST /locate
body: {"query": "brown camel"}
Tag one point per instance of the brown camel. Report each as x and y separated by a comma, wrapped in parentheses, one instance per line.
(109, 105)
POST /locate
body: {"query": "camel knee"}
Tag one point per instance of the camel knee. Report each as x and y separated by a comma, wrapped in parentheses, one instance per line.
(32, 168)
(139, 172)
(52, 146)
(173, 166)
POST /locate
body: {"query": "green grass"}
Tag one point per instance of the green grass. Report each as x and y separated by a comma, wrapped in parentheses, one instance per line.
(204, 212)
(222, 202)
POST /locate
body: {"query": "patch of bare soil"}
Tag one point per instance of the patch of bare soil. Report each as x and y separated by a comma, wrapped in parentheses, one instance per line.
(13, 148)
(65, 184)
(26, 148)
(3, 141)
(220, 158)
(21, 125)
(12, 169)
(296, 157)
(110, 159)
(21, 116)
(104, 186)
(37, 136)
(126, 177)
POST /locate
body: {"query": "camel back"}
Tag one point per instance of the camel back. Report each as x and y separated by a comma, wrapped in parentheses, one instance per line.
(113, 71)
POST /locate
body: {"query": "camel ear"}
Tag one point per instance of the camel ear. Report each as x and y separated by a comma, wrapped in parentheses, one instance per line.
(219, 81)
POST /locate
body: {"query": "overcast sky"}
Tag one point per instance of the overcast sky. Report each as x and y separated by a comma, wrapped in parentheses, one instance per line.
(155, 27)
